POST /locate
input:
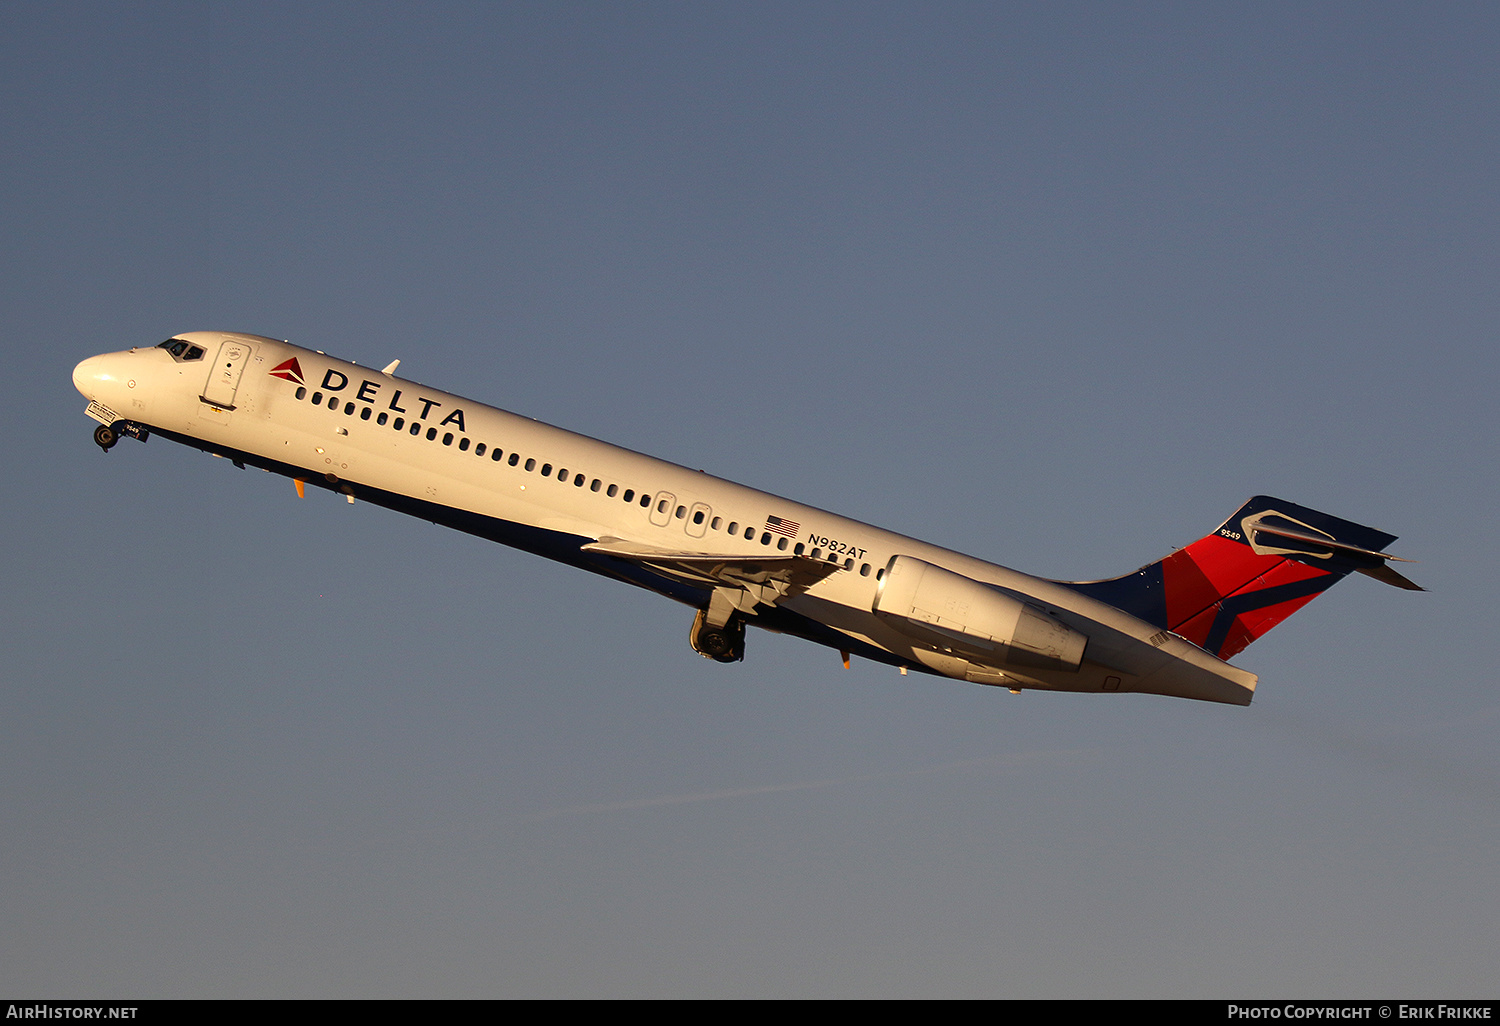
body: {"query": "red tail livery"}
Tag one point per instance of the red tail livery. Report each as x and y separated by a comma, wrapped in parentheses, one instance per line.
(1262, 565)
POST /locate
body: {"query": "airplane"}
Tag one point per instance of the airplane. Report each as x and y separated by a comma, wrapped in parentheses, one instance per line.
(737, 556)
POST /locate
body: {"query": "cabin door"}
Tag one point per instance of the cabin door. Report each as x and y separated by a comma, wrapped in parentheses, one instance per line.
(224, 376)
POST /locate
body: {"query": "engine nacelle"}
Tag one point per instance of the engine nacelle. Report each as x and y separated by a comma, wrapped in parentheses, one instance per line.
(941, 607)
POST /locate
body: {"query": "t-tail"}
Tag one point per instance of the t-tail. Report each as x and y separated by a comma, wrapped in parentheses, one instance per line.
(1266, 562)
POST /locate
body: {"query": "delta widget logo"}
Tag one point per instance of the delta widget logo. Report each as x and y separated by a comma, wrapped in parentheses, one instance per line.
(291, 370)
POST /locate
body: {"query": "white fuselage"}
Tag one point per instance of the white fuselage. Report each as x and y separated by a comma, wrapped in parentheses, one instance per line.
(334, 424)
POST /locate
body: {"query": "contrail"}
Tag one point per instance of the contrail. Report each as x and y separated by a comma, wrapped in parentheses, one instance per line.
(805, 785)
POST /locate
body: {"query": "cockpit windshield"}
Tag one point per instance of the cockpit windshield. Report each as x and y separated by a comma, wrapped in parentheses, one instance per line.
(182, 351)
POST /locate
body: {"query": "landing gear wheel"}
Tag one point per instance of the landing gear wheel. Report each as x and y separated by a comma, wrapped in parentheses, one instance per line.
(724, 644)
(105, 437)
(715, 643)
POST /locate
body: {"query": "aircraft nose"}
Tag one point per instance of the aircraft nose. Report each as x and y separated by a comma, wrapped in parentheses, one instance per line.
(96, 374)
(85, 374)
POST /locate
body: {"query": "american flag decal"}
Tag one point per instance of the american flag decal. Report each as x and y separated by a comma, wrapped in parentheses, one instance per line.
(780, 526)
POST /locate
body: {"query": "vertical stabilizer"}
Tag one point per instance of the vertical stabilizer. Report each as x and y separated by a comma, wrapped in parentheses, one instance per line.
(1262, 565)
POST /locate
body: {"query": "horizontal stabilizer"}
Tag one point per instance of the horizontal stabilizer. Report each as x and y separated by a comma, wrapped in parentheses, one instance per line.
(1323, 541)
(1389, 576)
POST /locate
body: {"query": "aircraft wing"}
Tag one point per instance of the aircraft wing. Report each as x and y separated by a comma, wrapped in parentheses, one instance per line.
(751, 581)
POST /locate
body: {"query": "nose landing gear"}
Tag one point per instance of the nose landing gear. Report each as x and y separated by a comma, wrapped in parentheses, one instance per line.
(106, 435)
(724, 644)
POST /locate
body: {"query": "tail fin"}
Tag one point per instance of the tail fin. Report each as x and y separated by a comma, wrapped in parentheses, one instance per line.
(1262, 565)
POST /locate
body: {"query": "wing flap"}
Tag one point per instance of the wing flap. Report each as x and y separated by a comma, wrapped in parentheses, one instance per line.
(765, 579)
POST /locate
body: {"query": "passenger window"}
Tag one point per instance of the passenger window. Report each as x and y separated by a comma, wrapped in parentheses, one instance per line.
(478, 449)
(530, 464)
(612, 490)
(698, 517)
(579, 480)
(681, 512)
(562, 475)
(781, 544)
(463, 444)
(364, 414)
(416, 428)
(349, 409)
(399, 423)
(301, 392)
(646, 501)
(629, 495)
(595, 486)
(333, 402)
(447, 437)
(431, 433)
(317, 398)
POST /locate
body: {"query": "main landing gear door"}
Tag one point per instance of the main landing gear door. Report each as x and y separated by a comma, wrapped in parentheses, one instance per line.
(224, 375)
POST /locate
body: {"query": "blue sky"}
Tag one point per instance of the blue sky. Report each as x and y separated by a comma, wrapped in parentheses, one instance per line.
(1057, 285)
